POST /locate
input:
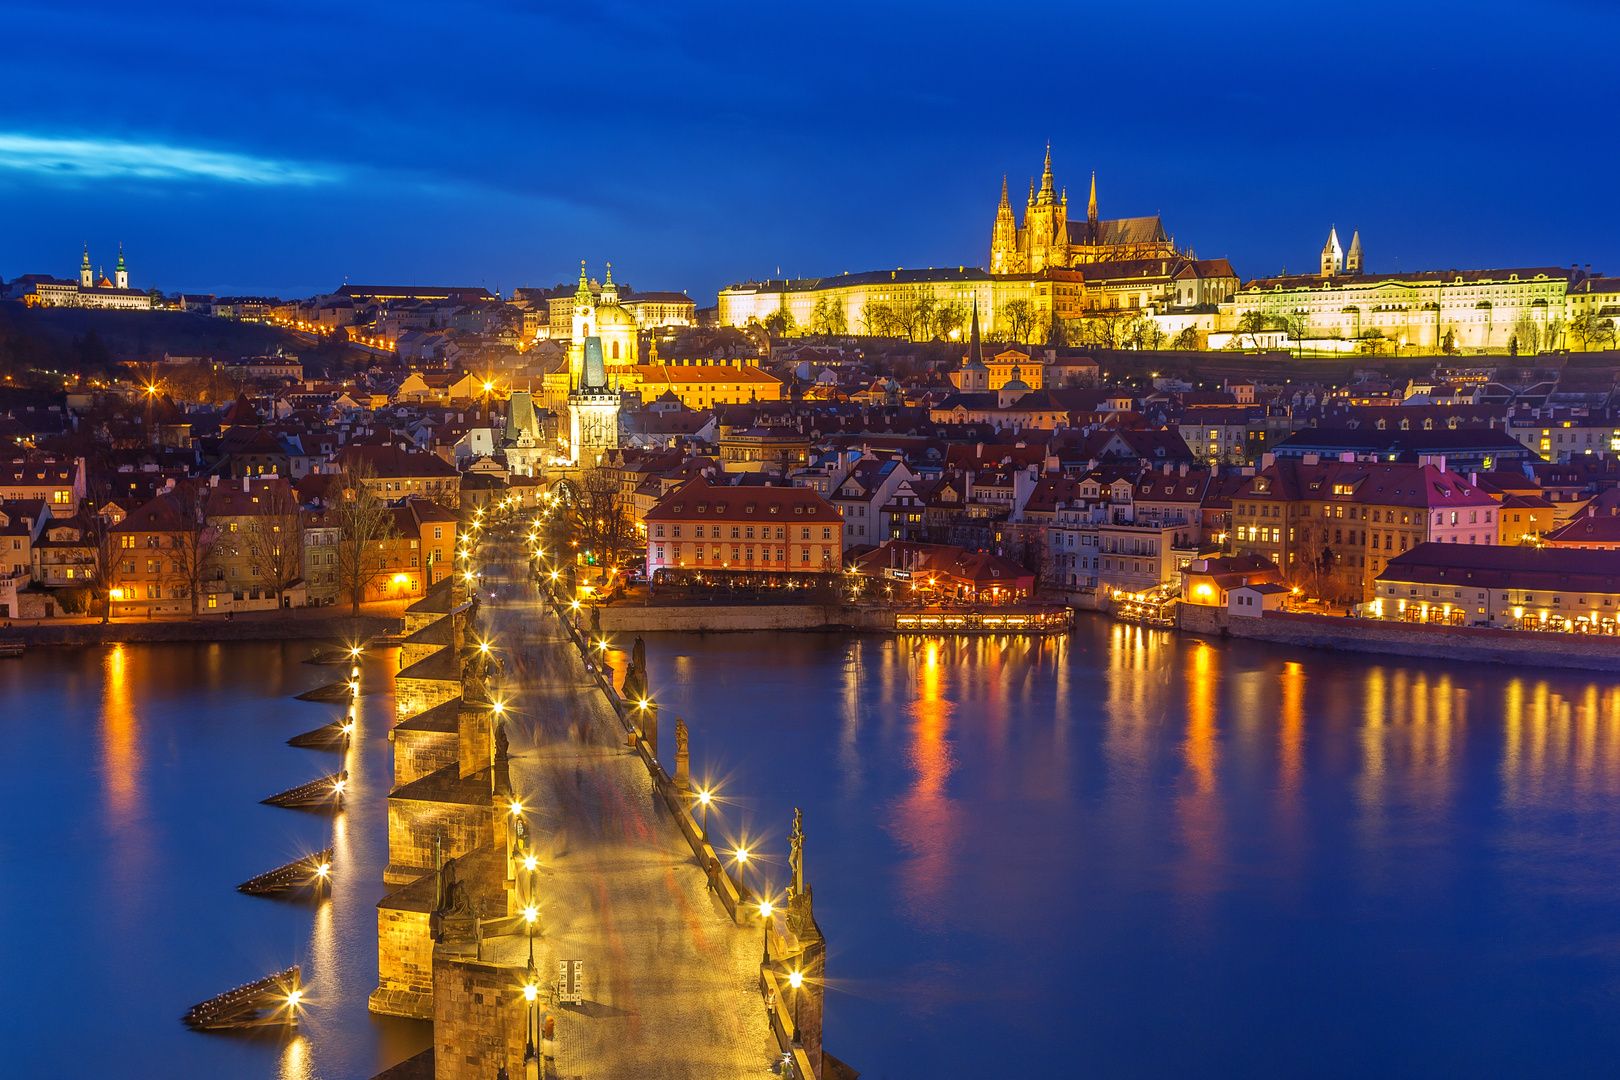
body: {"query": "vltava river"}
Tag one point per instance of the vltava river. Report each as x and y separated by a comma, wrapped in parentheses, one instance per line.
(1128, 854)
(130, 813)
(1120, 854)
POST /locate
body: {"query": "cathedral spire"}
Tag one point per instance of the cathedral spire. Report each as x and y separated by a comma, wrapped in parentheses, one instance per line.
(1048, 193)
(1005, 205)
(1091, 207)
(1032, 191)
(975, 353)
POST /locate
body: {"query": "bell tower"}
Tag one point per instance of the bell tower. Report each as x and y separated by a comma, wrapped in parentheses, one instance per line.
(584, 319)
(86, 278)
(121, 275)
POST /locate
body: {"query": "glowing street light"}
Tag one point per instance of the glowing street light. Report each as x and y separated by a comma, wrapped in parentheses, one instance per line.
(795, 980)
(765, 910)
(705, 797)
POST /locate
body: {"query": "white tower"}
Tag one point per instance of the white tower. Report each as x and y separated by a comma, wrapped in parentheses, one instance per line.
(121, 275)
(1332, 255)
(86, 279)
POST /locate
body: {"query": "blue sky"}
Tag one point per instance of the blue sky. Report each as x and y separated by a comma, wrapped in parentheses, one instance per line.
(285, 147)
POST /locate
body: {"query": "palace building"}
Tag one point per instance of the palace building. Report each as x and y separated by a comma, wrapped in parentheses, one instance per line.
(1048, 238)
(42, 290)
(1523, 309)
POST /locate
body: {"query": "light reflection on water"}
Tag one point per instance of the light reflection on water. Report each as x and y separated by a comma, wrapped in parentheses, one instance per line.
(131, 814)
(1140, 855)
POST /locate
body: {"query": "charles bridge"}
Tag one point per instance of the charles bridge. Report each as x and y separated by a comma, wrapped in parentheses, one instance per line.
(558, 908)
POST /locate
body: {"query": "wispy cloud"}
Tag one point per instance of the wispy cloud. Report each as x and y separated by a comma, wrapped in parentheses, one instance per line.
(92, 158)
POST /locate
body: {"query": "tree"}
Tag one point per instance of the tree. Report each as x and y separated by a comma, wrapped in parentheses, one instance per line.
(1019, 318)
(191, 544)
(1448, 343)
(1187, 339)
(780, 322)
(365, 523)
(1310, 561)
(277, 550)
(1296, 324)
(1143, 332)
(828, 317)
(97, 538)
(1251, 325)
(1528, 334)
(603, 525)
(949, 319)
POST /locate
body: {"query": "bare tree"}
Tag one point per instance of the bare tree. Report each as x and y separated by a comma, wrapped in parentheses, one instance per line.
(603, 525)
(365, 524)
(1252, 324)
(1187, 339)
(1018, 316)
(277, 551)
(1527, 334)
(1143, 332)
(191, 544)
(949, 319)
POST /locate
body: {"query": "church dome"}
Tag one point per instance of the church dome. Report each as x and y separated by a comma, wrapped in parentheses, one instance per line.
(613, 316)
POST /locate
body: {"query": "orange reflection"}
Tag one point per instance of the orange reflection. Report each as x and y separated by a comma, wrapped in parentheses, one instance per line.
(120, 738)
(1291, 752)
(925, 819)
(1198, 808)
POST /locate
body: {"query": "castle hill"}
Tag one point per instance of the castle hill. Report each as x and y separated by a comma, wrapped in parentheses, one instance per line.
(637, 543)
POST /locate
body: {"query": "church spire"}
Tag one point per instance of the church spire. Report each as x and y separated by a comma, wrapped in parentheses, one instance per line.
(1048, 193)
(1005, 205)
(1091, 207)
(1032, 191)
(610, 294)
(975, 353)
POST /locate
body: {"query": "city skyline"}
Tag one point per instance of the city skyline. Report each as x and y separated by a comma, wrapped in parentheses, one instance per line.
(681, 149)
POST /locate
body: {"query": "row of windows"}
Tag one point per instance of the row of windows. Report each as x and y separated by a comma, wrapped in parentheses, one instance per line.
(740, 554)
(741, 532)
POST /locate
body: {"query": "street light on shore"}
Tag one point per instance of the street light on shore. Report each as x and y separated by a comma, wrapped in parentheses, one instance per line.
(705, 797)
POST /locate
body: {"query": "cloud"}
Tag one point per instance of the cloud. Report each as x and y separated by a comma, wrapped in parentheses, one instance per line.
(91, 158)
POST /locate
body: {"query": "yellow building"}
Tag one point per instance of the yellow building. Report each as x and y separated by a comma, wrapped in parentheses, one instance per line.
(705, 387)
(1048, 238)
(1469, 310)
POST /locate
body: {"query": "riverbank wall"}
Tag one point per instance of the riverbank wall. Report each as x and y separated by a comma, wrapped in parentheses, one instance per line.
(1476, 644)
(289, 628)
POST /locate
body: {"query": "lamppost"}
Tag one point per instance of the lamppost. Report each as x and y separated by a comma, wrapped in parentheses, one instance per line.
(742, 867)
(705, 797)
(765, 925)
(794, 979)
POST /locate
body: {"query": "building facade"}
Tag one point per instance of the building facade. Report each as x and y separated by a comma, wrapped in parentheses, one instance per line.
(1047, 237)
(784, 530)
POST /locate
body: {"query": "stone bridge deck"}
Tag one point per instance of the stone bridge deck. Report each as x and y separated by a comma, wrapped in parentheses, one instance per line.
(671, 984)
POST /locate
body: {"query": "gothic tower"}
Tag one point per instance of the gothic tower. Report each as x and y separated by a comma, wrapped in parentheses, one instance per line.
(593, 410)
(1332, 255)
(1091, 207)
(1004, 237)
(1352, 261)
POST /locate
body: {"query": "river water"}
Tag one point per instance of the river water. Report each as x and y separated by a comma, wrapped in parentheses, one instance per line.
(1131, 854)
(130, 814)
(1121, 853)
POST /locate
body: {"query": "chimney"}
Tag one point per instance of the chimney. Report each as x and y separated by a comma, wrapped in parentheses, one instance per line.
(213, 481)
(247, 485)
(1473, 479)
(1268, 460)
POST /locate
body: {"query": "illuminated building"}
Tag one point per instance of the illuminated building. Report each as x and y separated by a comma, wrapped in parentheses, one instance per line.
(1466, 310)
(42, 290)
(593, 409)
(1047, 238)
(703, 526)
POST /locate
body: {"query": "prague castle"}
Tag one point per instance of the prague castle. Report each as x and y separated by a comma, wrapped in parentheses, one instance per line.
(1047, 238)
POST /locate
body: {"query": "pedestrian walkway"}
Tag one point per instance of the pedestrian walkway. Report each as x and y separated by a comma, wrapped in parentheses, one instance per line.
(671, 984)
